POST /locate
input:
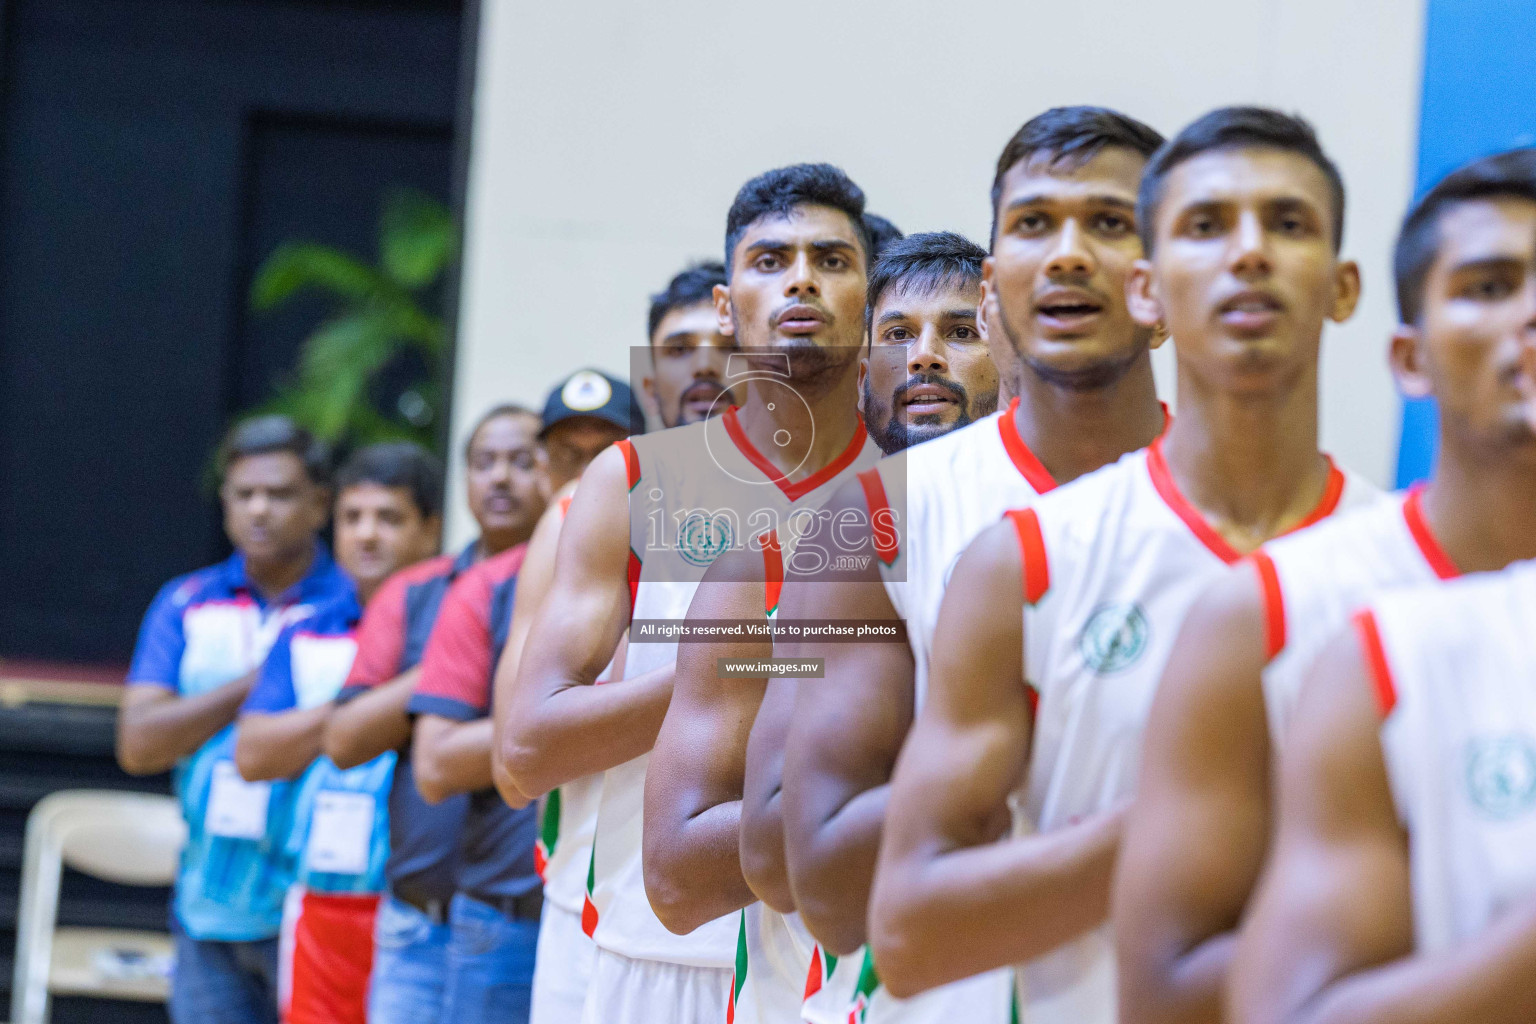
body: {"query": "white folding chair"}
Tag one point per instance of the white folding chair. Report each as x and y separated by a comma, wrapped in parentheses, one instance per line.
(127, 838)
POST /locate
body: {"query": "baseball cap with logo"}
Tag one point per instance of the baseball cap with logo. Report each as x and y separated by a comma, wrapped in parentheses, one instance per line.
(593, 393)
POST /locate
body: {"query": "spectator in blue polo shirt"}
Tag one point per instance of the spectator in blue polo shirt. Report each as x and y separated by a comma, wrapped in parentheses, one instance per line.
(203, 639)
(388, 516)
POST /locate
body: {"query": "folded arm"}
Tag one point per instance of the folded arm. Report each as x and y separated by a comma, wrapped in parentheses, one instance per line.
(761, 845)
(693, 782)
(950, 901)
(279, 745)
(156, 727)
(843, 741)
(449, 757)
(1330, 939)
(1196, 839)
(534, 579)
(559, 727)
(371, 723)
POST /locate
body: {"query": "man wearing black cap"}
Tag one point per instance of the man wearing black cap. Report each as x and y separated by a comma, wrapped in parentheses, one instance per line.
(582, 416)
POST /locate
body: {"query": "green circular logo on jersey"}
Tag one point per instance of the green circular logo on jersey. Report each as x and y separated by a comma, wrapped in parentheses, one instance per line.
(1501, 775)
(1115, 636)
(701, 539)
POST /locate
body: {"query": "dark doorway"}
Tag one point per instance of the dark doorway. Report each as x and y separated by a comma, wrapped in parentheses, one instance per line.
(151, 154)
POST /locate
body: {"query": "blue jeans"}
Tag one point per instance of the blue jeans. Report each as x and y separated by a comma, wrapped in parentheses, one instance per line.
(490, 965)
(410, 966)
(223, 982)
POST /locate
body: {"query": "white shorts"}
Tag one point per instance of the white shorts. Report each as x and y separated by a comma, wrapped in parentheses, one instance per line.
(983, 999)
(626, 991)
(778, 957)
(563, 971)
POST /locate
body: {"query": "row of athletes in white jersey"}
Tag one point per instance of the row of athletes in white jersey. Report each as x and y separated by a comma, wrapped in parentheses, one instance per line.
(1135, 671)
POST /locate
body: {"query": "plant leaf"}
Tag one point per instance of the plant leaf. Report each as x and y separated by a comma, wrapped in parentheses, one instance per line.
(294, 266)
(417, 238)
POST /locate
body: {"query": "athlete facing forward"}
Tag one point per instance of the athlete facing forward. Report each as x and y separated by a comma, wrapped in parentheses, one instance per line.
(929, 364)
(796, 252)
(1402, 886)
(1077, 600)
(1054, 296)
(1465, 263)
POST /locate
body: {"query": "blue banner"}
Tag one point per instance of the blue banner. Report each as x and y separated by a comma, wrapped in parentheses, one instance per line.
(1479, 98)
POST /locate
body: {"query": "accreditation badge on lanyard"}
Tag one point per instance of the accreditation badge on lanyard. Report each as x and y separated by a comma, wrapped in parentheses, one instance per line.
(237, 809)
(340, 832)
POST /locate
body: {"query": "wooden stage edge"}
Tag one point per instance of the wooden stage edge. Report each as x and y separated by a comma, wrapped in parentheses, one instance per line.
(26, 682)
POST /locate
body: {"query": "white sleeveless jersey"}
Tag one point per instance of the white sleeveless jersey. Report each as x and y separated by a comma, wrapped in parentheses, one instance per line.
(942, 493)
(694, 492)
(1312, 580)
(952, 487)
(1111, 565)
(567, 822)
(568, 816)
(1455, 667)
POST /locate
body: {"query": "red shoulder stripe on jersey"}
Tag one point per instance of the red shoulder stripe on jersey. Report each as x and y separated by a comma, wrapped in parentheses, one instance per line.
(1168, 489)
(1032, 695)
(881, 519)
(1424, 537)
(1028, 464)
(1274, 603)
(631, 461)
(773, 572)
(634, 580)
(1376, 661)
(1037, 570)
(800, 488)
(565, 505)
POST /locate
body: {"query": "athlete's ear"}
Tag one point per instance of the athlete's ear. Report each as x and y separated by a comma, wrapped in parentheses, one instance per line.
(650, 402)
(986, 306)
(1409, 361)
(863, 374)
(1346, 291)
(1141, 297)
(725, 323)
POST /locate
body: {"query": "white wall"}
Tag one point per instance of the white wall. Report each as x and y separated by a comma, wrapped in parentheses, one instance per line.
(610, 138)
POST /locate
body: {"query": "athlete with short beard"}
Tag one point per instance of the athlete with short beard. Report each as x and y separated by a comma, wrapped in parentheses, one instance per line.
(930, 363)
(796, 256)
(1053, 296)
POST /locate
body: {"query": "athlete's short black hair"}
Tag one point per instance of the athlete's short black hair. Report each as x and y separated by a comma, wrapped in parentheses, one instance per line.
(495, 412)
(922, 264)
(1236, 128)
(1070, 137)
(1511, 174)
(397, 464)
(693, 285)
(264, 435)
(777, 192)
(881, 233)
